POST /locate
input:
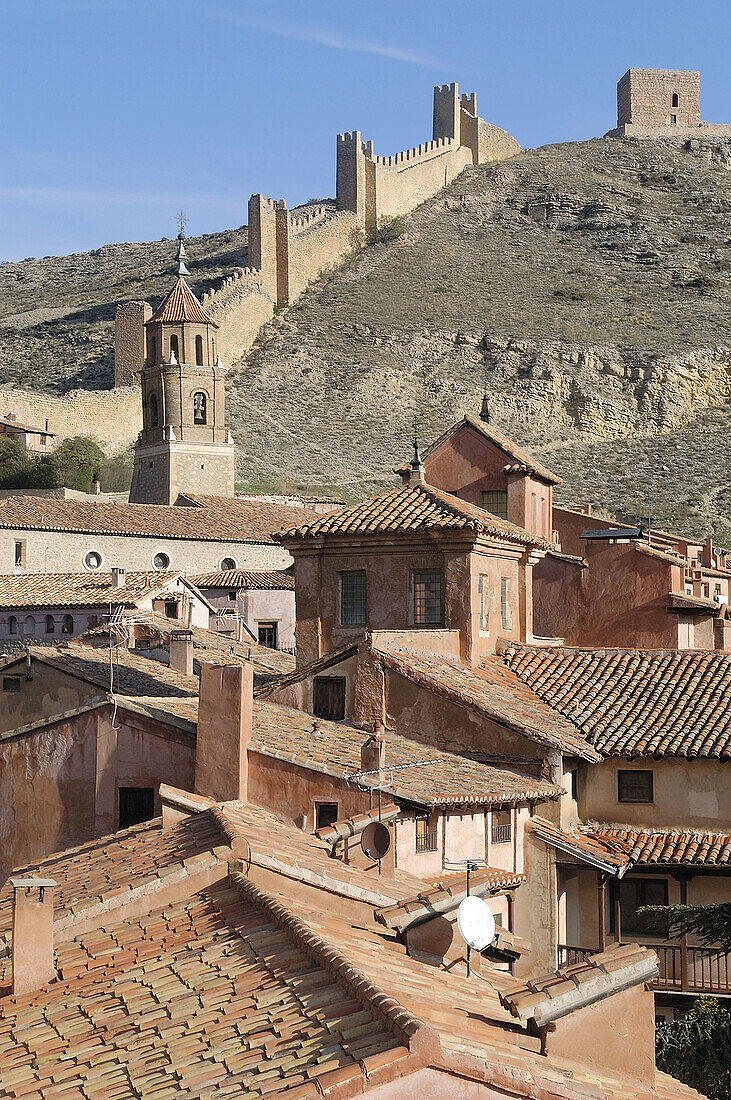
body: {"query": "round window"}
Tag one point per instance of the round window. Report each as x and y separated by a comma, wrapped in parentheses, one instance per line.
(161, 561)
(93, 559)
(227, 563)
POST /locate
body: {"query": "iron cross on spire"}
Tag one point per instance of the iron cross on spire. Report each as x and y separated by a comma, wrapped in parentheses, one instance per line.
(182, 220)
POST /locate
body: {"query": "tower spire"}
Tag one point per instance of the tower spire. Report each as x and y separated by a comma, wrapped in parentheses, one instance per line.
(417, 466)
(182, 256)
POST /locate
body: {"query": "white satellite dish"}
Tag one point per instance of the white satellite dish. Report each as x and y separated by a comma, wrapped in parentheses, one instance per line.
(476, 923)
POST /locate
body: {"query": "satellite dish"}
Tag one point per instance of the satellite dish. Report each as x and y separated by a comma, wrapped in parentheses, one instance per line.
(375, 840)
(476, 923)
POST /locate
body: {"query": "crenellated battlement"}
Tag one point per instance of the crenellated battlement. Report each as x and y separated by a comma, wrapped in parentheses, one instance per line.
(287, 251)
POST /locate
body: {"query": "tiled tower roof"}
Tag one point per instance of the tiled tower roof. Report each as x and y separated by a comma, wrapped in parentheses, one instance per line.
(181, 304)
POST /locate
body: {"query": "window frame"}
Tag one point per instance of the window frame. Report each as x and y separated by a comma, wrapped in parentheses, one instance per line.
(502, 511)
(506, 605)
(7, 681)
(160, 554)
(483, 595)
(418, 577)
(332, 682)
(125, 795)
(67, 624)
(50, 620)
(501, 831)
(200, 401)
(623, 773)
(93, 568)
(20, 554)
(327, 806)
(268, 625)
(350, 574)
(637, 928)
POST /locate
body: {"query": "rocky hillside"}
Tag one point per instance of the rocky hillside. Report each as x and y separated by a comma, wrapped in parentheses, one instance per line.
(587, 285)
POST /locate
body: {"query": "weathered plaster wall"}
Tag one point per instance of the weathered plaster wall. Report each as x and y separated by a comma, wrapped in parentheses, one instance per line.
(692, 794)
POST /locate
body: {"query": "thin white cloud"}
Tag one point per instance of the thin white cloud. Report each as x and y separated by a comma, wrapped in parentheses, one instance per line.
(58, 196)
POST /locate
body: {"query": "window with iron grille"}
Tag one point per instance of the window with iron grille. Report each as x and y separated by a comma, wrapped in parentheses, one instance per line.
(426, 838)
(483, 588)
(353, 599)
(427, 598)
(634, 786)
(496, 501)
(506, 611)
(267, 634)
(502, 829)
(328, 697)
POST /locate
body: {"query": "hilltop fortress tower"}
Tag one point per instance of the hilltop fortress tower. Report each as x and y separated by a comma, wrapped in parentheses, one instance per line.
(288, 250)
(184, 445)
(662, 103)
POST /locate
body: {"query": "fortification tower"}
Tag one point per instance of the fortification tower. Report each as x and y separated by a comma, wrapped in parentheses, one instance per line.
(184, 445)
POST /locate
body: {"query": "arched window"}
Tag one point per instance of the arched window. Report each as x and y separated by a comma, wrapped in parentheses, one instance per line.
(199, 351)
(29, 626)
(199, 408)
(675, 99)
(67, 626)
(152, 350)
(154, 417)
(174, 348)
(213, 350)
(50, 624)
(12, 625)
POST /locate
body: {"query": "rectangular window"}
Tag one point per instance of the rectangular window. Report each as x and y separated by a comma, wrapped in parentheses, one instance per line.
(11, 683)
(353, 599)
(328, 697)
(267, 635)
(232, 597)
(534, 512)
(483, 588)
(427, 605)
(20, 559)
(673, 120)
(496, 501)
(136, 804)
(634, 786)
(171, 609)
(326, 813)
(634, 893)
(501, 831)
(506, 612)
(426, 838)
(574, 784)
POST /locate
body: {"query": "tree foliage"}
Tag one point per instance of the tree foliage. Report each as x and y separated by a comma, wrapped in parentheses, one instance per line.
(697, 1048)
(710, 923)
(75, 463)
(78, 461)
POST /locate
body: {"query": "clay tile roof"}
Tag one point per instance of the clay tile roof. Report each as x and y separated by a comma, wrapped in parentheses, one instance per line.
(181, 304)
(79, 589)
(493, 691)
(354, 826)
(684, 602)
(666, 846)
(607, 853)
(555, 995)
(271, 581)
(411, 509)
(134, 675)
(523, 462)
(440, 779)
(207, 518)
(445, 897)
(8, 420)
(633, 701)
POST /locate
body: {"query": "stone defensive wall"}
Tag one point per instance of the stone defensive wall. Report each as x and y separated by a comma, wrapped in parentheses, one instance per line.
(287, 251)
(112, 417)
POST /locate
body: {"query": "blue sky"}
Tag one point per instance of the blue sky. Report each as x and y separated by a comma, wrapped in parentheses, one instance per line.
(115, 113)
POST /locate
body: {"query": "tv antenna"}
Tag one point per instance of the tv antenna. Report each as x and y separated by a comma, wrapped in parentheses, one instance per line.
(475, 920)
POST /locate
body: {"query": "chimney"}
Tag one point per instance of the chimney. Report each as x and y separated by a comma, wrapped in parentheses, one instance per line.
(373, 754)
(181, 651)
(225, 714)
(32, 933)
(119, 577)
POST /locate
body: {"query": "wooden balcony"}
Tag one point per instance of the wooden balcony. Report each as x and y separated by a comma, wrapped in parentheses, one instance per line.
(682, 969)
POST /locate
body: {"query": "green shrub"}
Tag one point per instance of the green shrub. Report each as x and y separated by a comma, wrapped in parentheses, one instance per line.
(77, 461)
(697, 1048)
(570, 294)
(389, 229)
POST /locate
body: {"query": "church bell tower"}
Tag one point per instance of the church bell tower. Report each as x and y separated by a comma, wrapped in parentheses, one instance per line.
(184, 445)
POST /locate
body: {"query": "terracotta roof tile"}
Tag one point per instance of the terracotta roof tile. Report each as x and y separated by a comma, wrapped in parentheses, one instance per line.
(80, 589)
(273, 580)
(181, 304)
(555, 995)
(609, 853)
(523, 461)
(494, 691)
(11, 423)
(410, 509)
(633, 701)
(445, 897)
(666, 846)
(208, 519)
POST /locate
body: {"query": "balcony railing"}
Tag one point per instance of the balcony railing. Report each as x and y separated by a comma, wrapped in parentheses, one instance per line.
(502, 834)
(682, 969)
(426, 842)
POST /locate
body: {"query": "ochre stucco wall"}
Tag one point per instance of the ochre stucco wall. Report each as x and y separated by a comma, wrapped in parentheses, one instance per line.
(687, 793)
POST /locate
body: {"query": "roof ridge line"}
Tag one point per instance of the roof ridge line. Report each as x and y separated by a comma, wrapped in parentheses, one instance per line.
(420, 1039)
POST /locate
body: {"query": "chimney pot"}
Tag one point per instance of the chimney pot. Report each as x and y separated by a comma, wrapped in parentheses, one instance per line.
(373, 753)
(32, 948)
(181, 651)
(95, 488)
(119, 577)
